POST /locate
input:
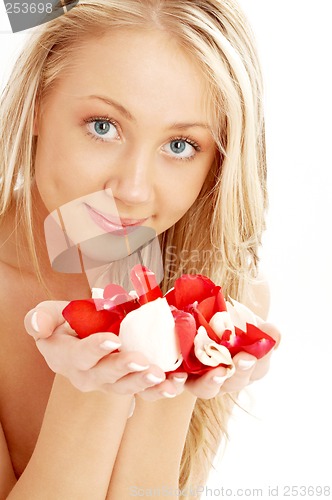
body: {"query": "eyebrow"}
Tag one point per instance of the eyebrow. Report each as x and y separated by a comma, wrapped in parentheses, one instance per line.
(129, 116)
(115, 105)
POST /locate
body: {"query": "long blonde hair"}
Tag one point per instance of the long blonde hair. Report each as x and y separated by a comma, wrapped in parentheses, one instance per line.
(221, 233)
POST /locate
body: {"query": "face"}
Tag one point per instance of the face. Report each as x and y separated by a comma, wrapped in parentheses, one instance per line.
(124, 140)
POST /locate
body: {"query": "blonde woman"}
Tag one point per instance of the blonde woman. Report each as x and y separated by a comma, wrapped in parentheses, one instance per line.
(158, 103)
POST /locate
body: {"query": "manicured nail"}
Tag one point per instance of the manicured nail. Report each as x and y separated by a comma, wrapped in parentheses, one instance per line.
(168, 394)
(152, 378)
(34, 322)
(246, 364)
(132, 407)
(180, 380)
(109, 345)
(219, 380)
(136, 367)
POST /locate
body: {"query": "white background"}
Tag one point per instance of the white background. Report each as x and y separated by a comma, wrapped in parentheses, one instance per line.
(286, 438)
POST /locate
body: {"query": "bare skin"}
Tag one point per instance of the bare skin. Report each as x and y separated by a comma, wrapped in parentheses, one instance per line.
(26, 383)
(64, 435)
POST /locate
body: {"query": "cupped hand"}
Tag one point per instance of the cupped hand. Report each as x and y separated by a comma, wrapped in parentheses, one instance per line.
(247, 370)
(91, 364)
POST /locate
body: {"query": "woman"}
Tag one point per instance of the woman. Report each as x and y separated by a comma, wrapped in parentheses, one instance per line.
(152, 108)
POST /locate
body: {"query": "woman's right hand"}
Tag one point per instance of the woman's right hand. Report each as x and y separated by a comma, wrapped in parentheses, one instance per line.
(90, 364)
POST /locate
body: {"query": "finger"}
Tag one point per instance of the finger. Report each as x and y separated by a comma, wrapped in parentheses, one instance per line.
(57, 350)
(208, 385)
(134, 382)
(174, 386)
(262, 366)
(41, 321)
(273, 331)
(165, 390)
(244, 366)
(118, 365)
(88, 352)
(178, 380)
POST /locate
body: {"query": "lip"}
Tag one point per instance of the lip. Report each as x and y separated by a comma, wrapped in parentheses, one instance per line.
(110, 224)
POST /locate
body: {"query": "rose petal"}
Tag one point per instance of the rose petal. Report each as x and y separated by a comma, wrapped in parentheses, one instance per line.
(210, 353)
(85, 319)
(151, 331)
(189, 289)
(220, 322)
(145, 284)
(185, 327)
(97, 293)
(260, 342)
(241, 315)
(201, 321)
(254, 341)
(210, 306)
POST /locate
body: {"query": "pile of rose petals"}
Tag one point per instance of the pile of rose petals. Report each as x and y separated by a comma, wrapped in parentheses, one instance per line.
(191, 329)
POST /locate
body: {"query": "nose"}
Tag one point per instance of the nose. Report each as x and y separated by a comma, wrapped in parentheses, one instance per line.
(132, 179)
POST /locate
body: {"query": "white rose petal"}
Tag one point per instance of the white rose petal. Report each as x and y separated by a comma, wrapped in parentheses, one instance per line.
(210, 353)
(97, 293)
(151, 331)
(241, 315)
(220, 322)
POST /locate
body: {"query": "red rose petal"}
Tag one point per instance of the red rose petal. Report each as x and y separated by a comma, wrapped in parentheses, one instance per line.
(170, 297)
(185, 329)
(189, 289)
(84, 318)
(260, 342)
(210, 306)
(145, 284)
(201, 321)
(115, 295)
(253, 341)
(113, 292)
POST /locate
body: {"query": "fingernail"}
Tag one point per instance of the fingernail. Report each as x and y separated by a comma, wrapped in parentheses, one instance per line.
(137, 368)
(180, 380)
(246, 364)
(152, 378)
(219, 380)
(34, 322)
(132, 407)
(109, 345)
(168, 394)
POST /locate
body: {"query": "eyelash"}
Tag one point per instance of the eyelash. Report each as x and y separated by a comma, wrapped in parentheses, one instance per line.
(100, 119)
(189, 141)
(186, 139)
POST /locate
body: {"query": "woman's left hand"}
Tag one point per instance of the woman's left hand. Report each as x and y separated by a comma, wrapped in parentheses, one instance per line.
(248, 369)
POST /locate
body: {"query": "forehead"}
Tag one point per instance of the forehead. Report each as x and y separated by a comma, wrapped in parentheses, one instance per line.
(145, 70)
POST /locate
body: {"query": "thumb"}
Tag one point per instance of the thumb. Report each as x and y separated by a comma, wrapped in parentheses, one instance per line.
(41, 321)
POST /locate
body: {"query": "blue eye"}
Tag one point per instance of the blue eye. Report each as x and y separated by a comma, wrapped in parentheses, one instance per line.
(103, 130)
(183, 149)
(102, 127)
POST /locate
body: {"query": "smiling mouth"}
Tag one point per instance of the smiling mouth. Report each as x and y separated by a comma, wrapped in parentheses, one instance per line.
(114, 224)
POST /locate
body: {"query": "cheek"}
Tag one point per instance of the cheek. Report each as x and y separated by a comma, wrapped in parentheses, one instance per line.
(182, 192)
(62, 173)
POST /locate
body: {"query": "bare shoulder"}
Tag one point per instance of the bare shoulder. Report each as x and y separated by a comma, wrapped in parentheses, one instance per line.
(258, 296)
